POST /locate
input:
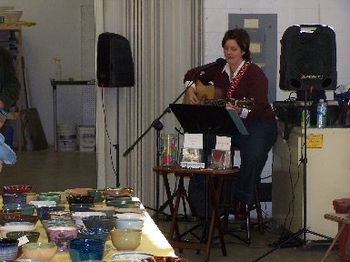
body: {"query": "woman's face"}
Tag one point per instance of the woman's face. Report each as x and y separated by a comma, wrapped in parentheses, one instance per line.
(233, 53)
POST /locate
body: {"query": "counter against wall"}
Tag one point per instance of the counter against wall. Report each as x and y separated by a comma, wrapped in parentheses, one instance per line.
(328, 178)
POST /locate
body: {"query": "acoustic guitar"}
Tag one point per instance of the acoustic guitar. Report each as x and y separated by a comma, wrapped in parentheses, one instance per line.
(206, 94)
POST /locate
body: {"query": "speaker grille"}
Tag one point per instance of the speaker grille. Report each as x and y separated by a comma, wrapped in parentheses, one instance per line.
(308, 58)
(115, 66)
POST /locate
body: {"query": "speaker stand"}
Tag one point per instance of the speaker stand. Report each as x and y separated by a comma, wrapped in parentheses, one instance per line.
(304, 230)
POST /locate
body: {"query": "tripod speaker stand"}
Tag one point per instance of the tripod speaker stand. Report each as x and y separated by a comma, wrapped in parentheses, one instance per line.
(312, 67)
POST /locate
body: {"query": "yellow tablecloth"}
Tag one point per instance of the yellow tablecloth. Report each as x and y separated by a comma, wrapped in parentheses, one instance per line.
(153, 242)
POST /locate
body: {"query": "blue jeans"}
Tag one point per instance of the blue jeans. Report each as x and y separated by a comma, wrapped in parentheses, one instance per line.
(254, 149)
(8, 132)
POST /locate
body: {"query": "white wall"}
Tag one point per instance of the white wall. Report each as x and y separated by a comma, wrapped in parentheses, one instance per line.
(56, 34)
(333, 13)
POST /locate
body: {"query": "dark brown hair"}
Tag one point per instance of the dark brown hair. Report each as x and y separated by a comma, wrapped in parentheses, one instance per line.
(242, 38)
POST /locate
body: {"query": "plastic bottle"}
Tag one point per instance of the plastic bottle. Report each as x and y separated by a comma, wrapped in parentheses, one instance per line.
(321, 114)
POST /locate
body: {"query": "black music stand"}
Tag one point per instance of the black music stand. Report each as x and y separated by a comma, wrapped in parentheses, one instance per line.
(209, 120)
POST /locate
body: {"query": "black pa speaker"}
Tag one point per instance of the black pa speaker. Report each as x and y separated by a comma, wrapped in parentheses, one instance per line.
(308, 58)
(115, 66)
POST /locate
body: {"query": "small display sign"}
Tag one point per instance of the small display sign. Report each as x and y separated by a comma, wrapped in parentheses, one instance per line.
(314, 141)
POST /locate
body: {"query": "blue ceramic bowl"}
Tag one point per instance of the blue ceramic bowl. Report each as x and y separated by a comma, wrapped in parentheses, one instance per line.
(83, 249)
(14, 199)
(8, 249)
(43, 212)
(94, 233)
(75, 207)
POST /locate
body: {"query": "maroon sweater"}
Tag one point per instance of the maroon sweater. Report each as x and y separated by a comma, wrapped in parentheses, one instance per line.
(253, 84)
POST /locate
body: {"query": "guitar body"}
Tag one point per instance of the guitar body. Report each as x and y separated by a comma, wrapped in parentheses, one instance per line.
(204, 92)
(206, 95)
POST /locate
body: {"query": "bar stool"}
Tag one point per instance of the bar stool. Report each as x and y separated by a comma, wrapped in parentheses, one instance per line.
(228, 204)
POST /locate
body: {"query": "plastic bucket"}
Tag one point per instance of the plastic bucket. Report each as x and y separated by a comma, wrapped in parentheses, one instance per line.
(67, 137)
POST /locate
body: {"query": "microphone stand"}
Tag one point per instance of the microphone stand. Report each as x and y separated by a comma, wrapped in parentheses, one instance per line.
(158, 126)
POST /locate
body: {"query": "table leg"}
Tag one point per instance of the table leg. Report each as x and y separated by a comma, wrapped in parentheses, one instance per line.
(333, 242)
(174, 225)
(215, 218)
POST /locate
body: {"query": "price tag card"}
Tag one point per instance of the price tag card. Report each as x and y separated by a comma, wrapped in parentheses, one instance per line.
(193, 141)
(223, 143)
(22, 240)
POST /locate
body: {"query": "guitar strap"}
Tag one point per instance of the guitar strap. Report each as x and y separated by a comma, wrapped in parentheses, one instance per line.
(235, 81)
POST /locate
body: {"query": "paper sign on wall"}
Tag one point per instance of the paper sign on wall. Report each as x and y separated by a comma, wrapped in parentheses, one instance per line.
(314, 141)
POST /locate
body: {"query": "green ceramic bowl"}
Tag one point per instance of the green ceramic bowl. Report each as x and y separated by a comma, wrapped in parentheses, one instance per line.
(32, 236)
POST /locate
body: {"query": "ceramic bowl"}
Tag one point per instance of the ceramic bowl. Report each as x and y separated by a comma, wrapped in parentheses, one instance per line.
(15, 199)
(50, 196)
(78, 191)
(78, 216)
(97, 194)
(99, 222)
(95, 233)
(43, 203)
(86, 249)
(12, 15)
(80, 199)
(124, 191)
(16, 226)
(39, 251)
(60, 215)
(32, 236)
(62, 235)
(109, 211)
(8, 249)
(123, 203)
(17, 217)
(129, 223)
(130, 216)
(26, 209)
(126, 239)
(80, 207)
(31, 196)
(57, 222)
(16, 189)
(43, 212)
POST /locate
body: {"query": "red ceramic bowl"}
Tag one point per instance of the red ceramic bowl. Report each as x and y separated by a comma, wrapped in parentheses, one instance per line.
(17, 217)
(17, 189)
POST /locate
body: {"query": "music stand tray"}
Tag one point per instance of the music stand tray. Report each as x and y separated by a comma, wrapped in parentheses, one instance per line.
(208, 119)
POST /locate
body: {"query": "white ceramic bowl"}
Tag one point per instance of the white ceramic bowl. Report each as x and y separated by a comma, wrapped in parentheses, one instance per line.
(39, 251)
(130, 215)
(43, 203)
(129, 223)
(12, 15)
(16, 226)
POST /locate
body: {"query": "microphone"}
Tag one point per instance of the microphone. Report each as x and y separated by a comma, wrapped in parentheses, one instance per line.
(219, 61)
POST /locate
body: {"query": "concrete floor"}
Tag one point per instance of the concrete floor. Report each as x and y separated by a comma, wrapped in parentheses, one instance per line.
(239, 251)
(56, 171)
(47, 170)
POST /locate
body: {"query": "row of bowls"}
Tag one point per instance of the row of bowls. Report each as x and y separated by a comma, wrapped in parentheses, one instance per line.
(80, 249)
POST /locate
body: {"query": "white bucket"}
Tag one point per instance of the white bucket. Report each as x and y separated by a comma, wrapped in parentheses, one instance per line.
(66, 137)
(87, 138)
